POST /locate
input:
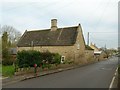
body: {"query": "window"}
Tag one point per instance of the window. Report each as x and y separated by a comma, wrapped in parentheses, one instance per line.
(62, 59)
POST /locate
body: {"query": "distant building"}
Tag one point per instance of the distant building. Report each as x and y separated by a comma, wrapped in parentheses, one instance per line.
(99, 54)
(67, 41)
(96, 49)
(13, 51)
(89, 53)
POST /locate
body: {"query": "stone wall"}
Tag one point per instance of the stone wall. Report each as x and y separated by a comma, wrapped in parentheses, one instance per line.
(66, 51)
(70, 52)
(89, 55)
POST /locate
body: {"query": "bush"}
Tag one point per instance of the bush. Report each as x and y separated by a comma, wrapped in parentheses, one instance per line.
(56, 59)
(46, 57)
(31, 57)
(7, 62)
(46, 66)
(7, 58)
(28, 58)
(68, 62)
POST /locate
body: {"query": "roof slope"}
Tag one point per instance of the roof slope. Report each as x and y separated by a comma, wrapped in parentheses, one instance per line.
(60, 37)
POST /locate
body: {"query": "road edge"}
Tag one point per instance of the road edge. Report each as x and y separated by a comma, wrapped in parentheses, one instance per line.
(113, 79)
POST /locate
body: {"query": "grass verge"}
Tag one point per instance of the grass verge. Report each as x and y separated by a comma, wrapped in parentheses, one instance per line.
(8, 71)
(0, 69)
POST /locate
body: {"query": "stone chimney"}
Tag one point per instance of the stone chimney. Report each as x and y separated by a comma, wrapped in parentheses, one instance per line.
(53, 24)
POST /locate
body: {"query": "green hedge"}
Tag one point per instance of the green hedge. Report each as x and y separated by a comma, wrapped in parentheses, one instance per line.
(29, 58)
(7, 62)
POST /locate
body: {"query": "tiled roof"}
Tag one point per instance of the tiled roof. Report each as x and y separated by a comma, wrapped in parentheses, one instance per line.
(60, 37)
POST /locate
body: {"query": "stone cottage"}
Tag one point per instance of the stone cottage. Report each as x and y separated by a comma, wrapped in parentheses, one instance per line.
(67, 41)
(99, 54)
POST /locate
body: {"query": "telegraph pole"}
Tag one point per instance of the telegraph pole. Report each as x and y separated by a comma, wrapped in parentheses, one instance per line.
(105, 46)
(88, 39)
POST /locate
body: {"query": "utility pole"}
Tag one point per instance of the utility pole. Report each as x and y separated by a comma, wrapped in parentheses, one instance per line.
(105, 46)
(88, 39)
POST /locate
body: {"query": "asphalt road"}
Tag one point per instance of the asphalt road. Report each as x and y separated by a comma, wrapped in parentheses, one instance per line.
(97, 75)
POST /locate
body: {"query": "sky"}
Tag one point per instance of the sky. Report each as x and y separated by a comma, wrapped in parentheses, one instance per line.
(98, 17)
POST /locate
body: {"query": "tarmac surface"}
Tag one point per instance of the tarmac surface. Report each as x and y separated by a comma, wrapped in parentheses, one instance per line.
(96, 75)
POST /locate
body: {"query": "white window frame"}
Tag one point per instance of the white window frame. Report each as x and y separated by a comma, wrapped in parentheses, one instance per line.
(62, 59)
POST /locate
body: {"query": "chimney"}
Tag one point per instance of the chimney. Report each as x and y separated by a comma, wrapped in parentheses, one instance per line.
(53, 24)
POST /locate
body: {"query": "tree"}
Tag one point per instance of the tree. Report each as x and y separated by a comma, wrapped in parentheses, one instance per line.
(4, 45)
(0, 44)
(13, 35)
(10, 37)
(4, 40)
(0, 50)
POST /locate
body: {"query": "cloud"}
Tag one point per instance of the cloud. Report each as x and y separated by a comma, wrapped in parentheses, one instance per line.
(93, 15)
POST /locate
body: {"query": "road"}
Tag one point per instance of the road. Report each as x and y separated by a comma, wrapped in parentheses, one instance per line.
(97, 75)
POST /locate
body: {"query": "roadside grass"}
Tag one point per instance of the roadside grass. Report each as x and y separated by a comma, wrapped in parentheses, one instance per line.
(0, 69)
(8, 71)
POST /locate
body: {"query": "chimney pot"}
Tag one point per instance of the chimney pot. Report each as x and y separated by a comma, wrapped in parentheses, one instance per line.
(53, 24)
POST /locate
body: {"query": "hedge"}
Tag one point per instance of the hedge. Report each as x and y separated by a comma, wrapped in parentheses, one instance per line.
(31, 57)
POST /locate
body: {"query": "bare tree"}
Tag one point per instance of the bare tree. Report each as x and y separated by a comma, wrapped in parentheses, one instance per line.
(13, 34)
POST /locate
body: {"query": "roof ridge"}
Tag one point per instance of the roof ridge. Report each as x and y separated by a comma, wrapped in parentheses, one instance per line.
(38, 30)
(50, 29)
(68, 27)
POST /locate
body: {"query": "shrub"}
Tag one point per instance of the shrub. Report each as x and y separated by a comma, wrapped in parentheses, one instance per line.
(7, 62)
(28, 58)
(68, 62)
(7, 58)
(46, 57)
(56, 58)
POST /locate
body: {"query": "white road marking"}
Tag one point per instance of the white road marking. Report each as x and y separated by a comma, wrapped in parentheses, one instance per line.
(111, 84)
(115, 74)
(117, 69)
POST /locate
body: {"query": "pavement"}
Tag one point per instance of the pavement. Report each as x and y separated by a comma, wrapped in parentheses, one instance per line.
(1, 77)
(90, 76)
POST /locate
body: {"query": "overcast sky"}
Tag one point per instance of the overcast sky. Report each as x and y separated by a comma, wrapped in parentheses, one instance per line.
(99, 17)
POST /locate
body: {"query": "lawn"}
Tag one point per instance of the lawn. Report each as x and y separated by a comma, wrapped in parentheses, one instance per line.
(8, 70)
